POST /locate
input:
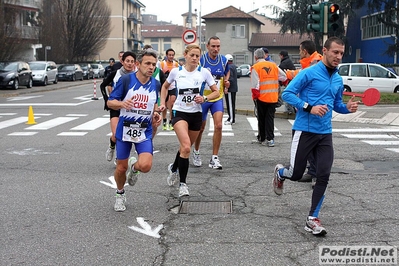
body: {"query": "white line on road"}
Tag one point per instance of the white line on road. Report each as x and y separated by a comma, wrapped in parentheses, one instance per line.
(382, 142)
(92, 124)
(368, 136)
(51, 123)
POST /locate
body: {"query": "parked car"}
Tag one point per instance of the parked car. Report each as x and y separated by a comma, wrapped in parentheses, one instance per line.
(98, 70)
(245, 70)
(358, 77)
(70, 72)
(15, 74)
(44, 72)
(239, 72)
(87, 71)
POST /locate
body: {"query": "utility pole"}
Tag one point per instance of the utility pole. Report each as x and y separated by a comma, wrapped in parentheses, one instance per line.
(189, 23)
(325, 23)
(200, 26)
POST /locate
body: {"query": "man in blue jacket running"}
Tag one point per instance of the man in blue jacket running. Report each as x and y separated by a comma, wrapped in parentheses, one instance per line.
(316, 92)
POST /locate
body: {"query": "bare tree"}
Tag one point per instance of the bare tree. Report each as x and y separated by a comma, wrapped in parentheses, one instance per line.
(75, 29)
(11, 39)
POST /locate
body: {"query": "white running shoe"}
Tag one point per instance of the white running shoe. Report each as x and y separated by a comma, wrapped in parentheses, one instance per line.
(120, 202)
(130, 175)
(110, 154)
(278, 182)
(313, 225)
(197, 159)
(172, 177)
(215, 164)
(183, 190)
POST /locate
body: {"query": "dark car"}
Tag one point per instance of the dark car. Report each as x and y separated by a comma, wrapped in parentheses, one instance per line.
(239, 72)
(88, 72)
(15, 74)
(70, 72)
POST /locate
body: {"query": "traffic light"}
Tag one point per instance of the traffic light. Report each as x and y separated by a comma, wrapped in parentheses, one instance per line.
(316, 17)
(333, 17)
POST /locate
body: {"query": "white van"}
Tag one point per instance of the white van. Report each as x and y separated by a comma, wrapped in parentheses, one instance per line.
(44, 72)
(358, 77)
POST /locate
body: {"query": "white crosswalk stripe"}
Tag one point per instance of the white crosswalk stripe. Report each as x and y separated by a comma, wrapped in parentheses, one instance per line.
(385, 137)
(253, 121)
(374, 136)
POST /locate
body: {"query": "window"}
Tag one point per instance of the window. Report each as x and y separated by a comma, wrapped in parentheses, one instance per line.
(166, 46)
(343, 70)
(155, 46)
(378, 72)
(238, 31)
(358, 70)
(168, 39)
(154, 39)
(372, 28)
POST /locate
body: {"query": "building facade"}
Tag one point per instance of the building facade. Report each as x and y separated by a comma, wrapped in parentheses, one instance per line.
(163, 35)
(126, 23)
(367, 40)
(20, 19)
(234, 28)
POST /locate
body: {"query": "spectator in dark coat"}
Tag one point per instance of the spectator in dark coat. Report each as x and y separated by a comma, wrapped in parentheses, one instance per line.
(118, 64)
(230, 97)
(285, 64)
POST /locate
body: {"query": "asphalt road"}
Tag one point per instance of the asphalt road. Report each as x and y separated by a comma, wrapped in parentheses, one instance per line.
(57, 196)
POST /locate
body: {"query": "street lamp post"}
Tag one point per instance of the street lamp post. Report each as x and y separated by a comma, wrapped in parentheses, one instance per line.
(45, 52)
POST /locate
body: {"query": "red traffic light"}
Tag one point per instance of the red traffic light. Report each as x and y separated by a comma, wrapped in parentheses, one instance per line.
(334, 8)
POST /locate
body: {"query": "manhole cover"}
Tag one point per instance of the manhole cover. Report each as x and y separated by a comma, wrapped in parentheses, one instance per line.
(204, 207)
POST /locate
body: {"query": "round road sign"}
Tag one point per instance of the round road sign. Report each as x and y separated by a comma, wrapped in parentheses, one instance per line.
(189, 36)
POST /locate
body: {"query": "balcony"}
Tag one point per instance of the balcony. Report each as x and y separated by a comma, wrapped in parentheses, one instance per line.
(29, 4)
(135, 37)
(135, 18)
(24, 32)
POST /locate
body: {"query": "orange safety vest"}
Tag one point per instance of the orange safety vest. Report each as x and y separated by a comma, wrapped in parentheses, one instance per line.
(268, 81)
(305, 62)
(168, 66)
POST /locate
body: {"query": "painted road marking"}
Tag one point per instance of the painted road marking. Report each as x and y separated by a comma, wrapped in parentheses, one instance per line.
(146, 228)
(51, 123)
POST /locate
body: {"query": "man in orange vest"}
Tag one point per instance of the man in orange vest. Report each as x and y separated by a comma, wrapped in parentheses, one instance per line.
(265, 77)
(309, 57)
(166, 66)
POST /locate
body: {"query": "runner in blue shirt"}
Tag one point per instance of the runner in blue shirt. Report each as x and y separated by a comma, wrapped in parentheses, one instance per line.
(218, 65)
(135, 95)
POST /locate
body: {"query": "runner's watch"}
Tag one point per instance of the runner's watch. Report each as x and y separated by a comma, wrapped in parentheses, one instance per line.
(307, 107)
(205, 99)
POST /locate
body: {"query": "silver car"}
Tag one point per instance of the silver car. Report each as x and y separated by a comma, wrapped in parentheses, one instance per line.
(245, 70)
(44, 72)
(98, 70)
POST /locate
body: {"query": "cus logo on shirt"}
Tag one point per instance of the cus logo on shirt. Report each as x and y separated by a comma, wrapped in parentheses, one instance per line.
(140, 101)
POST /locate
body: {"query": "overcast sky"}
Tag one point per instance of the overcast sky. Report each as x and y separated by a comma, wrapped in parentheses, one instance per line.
(171, 10)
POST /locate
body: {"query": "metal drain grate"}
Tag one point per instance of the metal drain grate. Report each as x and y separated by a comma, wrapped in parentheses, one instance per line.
(205, 207)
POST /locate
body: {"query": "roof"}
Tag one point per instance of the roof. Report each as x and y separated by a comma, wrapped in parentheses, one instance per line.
(276, 40)
(162, 31)
(192, 14)
(230, 12)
